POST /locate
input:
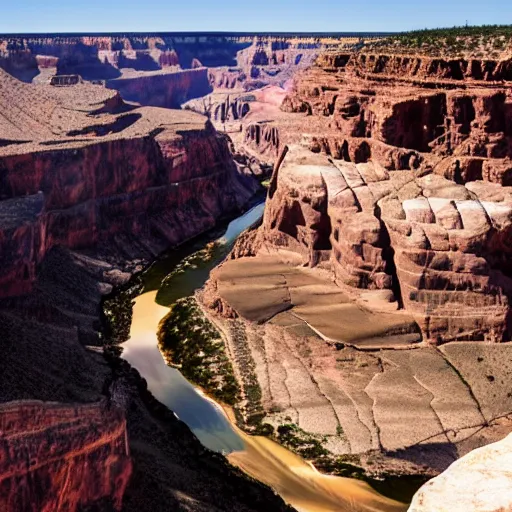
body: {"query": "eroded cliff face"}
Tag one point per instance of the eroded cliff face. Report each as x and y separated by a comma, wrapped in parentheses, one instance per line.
(164, 189)
(103, 57)
(62, 457)
(105, 174)
(404, 125)
(163, 89)
(439, 249)
(415, 184)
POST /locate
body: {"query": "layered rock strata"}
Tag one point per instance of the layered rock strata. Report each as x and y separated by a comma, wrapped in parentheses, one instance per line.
(439, 249)
(356, 115)
(388, 227)
(325, 306)
(102, 57)
(141, 172)
(429, 169)
(62, 457)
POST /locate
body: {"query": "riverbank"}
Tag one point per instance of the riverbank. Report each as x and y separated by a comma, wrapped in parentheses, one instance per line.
(254, 413)
(293, 478)
(170, 388)
(172, 467)
(367, 397)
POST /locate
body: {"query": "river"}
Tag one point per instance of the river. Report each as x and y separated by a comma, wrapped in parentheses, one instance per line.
(298, 482)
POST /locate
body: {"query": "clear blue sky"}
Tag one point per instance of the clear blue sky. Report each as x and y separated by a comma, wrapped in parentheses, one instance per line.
(246, 15)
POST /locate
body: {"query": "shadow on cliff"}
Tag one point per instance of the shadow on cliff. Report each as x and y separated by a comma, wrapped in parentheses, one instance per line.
(436, 455)
(142, 62)
(23, 67)
(211, 54)
(85, 61)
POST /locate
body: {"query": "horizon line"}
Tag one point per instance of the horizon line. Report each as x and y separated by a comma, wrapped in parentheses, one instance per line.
(202, 32)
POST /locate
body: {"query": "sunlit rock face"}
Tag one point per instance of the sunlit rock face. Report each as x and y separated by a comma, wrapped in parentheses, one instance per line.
(411, 197)
(62, 457)
(481, 481)
(441, 250)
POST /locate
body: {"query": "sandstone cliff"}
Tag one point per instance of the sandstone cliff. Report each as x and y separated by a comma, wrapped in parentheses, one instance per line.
(380, 275)
(440, 249)
(157, 175)
(62, 457)
(411, 177)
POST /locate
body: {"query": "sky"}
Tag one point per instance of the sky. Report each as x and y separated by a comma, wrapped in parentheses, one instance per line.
(45, 16)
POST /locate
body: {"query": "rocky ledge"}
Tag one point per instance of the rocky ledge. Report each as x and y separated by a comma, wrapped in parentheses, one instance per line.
(478, 481)
(406, 239)
(91, 172)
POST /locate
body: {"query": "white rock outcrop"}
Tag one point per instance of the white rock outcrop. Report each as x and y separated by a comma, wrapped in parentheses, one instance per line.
(481, 481)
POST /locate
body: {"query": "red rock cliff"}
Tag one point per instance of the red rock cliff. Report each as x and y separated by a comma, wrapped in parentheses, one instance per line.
(62, 457)
(156, 175)
(439, 249)
(398, 188)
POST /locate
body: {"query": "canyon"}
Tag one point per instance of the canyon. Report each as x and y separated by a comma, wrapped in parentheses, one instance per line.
(371, 306)
(382, 262)
(92, 189)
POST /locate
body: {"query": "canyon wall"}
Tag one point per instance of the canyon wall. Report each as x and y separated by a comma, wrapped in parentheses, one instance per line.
(102, 56)
(62, 457)
(164, 189)
(168, 90)
(398, 123)
(399, 189)
(440, 250)
(419, 67)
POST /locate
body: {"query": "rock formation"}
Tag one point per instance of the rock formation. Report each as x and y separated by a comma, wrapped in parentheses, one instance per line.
(103, 57)
(91, 190)
(66, 181)
(412, 195)
(62, 457)
(388, 225)
(478, 481)
(440, 249)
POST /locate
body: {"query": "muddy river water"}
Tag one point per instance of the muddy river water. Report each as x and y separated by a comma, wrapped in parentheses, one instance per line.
(298, 482)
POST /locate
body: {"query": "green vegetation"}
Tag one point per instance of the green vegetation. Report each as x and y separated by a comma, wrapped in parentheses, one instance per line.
(339, 466)
(475, 41)
(117, 314)
(308, 446)
(192, 344)
(190, 273)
